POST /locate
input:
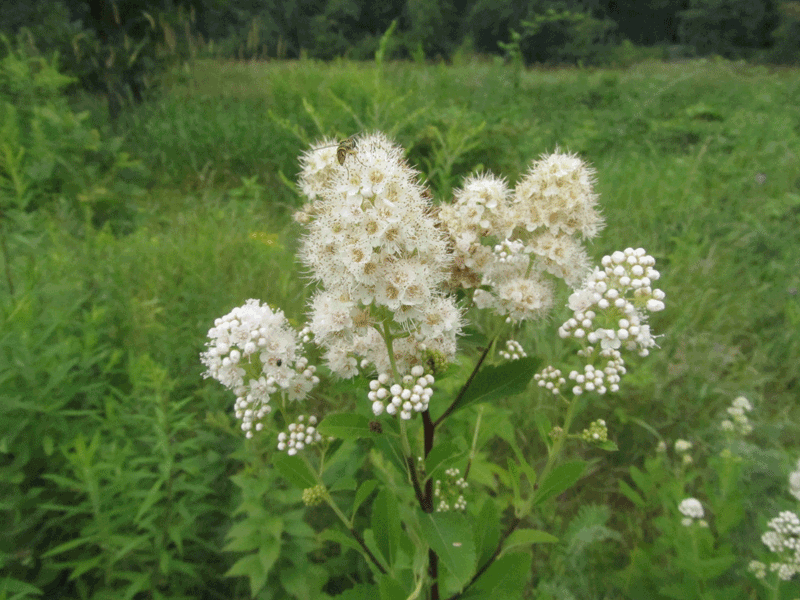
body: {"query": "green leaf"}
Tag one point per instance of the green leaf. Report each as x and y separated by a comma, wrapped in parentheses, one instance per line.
(608, 446)
(544, 426)
(524, 465)
(503, 580)
(487, 531)
(295, 470)
(363, 493)
(513, 471)
(386, 525)
(362, 591)
(250, 567)
(561, 478)
(496, 382)
(390, 589)
(343, 539)
(392, 451)
(450, 536)
(526, 537)
(439, 456)
(345, 426)
(631, 494)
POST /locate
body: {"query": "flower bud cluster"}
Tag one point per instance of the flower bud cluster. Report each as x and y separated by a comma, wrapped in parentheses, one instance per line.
(536, 230)
(513, 351)
(784, 540)
(550, 378)
(299, 436)
(254, 352)
(314, 496)
(758, 569)
(738, 424)
(692, 510)
(597, 433)
(375, 247)
(599, 380)
(611, 306)
(411, 395)
(452, 494)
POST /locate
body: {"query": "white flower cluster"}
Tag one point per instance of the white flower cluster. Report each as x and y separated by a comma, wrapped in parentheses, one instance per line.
(609, 306)
(375, 247)
(299, 436)
(537, 230)
(784, 540)
(413, 394)
(550, 378)
(691, 509)
(479, 210)
(599, 380)
(452, 492)
(794, 482)
(254, 352)
(738, 423)
(682, 447)
(513, 351)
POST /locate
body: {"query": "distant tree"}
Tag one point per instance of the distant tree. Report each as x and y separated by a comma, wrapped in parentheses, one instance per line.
(786, 36)
(433, 24)
(647, 22)
(730, 28)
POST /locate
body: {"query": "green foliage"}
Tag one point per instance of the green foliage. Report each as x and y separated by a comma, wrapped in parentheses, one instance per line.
(729, 28)
(786, 36)
(565, 36)
(49, 153)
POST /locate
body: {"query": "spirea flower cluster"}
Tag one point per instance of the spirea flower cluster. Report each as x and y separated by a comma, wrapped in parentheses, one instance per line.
(610, 312)
(692, 510)
(739, 423)
(612, 305)
(254, 352)
(550, 378)
(513, 351)
(411, 395)
(300, 435)
(538, 231)
(450, 495)
(784, 540)
(375, 248)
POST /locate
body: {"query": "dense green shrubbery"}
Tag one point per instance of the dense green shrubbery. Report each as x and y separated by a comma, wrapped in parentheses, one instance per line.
(49, 154)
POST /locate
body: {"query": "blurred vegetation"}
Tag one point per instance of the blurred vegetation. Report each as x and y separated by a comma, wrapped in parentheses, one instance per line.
(122, 473)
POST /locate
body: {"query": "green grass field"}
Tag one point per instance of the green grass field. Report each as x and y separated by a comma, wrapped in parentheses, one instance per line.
(697, 162)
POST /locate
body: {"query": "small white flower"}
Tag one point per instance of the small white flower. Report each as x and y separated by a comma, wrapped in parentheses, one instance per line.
(691, 508)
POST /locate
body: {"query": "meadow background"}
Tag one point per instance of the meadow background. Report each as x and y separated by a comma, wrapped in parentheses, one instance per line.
(122, 473)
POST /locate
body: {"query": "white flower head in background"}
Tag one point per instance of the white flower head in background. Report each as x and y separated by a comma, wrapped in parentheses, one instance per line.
(692, 510)
(783, 538)
(794, 482)
(738, 423)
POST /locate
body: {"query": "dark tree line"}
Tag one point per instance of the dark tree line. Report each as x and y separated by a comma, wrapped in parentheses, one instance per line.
(119, 46)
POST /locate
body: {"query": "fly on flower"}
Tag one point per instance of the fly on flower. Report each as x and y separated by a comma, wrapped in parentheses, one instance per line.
(347, 147)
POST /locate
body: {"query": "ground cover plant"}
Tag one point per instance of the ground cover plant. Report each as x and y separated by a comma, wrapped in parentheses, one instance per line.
(124, 475)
